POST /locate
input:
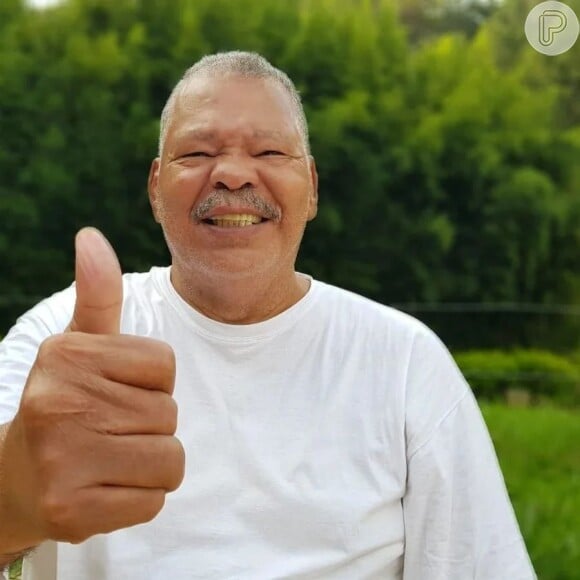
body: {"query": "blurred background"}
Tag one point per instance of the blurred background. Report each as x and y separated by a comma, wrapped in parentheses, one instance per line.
(449, 158)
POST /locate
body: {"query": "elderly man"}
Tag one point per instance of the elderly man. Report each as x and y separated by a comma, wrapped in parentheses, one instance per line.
(320, 435)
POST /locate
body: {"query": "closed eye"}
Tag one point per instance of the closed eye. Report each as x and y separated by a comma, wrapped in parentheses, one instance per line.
(198, 154)
(269, 152)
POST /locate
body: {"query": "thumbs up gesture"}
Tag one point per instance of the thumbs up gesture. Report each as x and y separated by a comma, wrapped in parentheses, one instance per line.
(92, 447)
(99, 285)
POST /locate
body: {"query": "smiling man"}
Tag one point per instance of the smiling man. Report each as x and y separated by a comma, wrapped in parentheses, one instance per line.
(228, 417)
(233, 189)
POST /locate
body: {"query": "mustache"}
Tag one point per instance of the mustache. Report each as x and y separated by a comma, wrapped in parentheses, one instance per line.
(245, 196)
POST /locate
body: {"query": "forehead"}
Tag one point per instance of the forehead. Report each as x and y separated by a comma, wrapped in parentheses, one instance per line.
(209, 106)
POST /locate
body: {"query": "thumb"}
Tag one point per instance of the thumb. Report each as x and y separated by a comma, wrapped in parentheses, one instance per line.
(99, 285)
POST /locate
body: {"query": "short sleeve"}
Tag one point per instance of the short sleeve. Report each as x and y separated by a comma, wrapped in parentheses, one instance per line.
(19, 348)
(459, 522)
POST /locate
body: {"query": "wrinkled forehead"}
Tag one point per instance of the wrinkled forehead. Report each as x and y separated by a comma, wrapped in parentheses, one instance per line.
(231, 102)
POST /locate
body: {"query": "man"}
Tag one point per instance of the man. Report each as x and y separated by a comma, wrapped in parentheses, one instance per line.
(320, 435)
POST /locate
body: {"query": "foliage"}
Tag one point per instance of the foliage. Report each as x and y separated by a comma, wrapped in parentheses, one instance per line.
(538, 453)
(447, 154)
(543, 374)
(15, 570)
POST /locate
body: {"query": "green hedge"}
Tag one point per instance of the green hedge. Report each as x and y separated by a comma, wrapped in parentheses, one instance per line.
(545, 375)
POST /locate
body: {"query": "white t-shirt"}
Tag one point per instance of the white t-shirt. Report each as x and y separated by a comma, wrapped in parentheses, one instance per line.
(337, 440)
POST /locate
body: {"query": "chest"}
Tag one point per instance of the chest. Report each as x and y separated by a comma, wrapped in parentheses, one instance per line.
(288, 455)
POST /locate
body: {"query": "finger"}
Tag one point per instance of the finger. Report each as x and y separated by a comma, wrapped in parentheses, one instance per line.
(104, 509)
(99, 285)
(151, 413)
(149, 461)
(132, 360)
(139, 361)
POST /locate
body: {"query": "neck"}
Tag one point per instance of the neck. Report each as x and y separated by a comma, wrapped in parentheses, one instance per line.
(246, 300)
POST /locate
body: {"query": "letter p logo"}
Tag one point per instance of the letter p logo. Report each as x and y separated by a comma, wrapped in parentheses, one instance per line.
(551, 22)
(552, 27)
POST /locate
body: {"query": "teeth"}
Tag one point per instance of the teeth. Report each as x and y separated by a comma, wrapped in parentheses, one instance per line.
(236, 220)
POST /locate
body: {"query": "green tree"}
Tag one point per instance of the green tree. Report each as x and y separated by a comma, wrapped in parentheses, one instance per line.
(447, 161)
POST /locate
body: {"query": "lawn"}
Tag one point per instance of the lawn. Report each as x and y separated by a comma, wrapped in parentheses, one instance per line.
(539, 450)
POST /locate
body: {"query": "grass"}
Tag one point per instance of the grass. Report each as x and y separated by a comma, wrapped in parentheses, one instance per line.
(539, 451)
(15, 571)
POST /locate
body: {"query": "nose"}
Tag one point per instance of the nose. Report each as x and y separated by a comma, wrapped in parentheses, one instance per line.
(233, 172)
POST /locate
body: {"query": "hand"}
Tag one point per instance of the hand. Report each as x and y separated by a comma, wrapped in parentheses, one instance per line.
(92, 447)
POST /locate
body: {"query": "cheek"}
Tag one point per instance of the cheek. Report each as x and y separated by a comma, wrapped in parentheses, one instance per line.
(180, 187)
(291, 189)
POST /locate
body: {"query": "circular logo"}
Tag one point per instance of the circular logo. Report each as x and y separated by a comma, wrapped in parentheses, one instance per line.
(552, 28)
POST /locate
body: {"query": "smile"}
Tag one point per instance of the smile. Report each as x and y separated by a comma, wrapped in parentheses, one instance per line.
(234, 220)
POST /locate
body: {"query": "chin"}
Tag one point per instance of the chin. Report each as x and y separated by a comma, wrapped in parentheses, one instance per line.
(233, 271)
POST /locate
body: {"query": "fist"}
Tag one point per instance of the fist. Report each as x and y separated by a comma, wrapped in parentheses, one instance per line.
(92, 447)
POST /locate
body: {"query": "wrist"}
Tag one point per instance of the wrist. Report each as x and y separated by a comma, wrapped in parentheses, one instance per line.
(15, 539)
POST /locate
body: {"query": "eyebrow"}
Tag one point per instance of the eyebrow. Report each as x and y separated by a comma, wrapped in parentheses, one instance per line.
(198, 134)
(208, 135)
(267, 134)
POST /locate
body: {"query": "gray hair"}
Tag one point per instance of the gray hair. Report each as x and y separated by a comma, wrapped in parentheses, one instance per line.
(244, 64)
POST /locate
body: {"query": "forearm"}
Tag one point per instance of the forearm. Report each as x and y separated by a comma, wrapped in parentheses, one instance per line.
(15, 542)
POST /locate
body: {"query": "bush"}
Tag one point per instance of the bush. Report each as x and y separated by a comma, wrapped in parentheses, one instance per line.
(544, 375)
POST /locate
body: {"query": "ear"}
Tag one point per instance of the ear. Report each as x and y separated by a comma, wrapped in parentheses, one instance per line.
(313, 201)
(152, 188)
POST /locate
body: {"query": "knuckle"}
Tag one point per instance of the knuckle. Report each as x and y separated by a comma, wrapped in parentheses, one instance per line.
(50, 344)
(53, 508)
(50, 462)
(158, 410)
(31, 409)
(77, 538)
(177, 471)
(58, 515)
(151, 508)
(164, 360)
(53, 348)
(170, 415)
(165, 356)
(35, 410)
(37, 400)
(62, 349)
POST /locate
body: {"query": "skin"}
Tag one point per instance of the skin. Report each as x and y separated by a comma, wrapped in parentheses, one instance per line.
(230, 135)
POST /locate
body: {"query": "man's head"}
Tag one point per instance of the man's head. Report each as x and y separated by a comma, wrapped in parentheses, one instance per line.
(234, 184)
(243, 64)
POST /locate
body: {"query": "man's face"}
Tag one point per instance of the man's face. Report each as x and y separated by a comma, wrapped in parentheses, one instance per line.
(234, 187)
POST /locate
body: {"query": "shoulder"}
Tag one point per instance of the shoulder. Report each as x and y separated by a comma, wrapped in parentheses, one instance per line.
(356, 312)
(52, 314)
(402, 347)
(392, 338)
(404, 336)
